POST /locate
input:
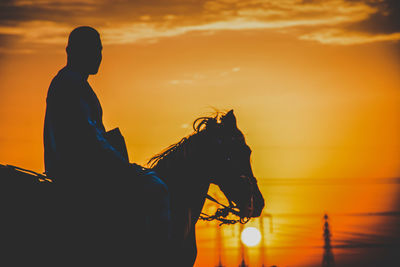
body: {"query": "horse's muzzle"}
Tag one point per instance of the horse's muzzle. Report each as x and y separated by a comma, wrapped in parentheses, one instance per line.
(248, 211)
(256, 203)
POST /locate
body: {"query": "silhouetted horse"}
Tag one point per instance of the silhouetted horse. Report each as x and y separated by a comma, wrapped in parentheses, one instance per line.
(216, 153)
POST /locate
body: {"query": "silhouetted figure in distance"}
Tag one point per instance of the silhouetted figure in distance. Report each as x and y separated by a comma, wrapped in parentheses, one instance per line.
(110, 201)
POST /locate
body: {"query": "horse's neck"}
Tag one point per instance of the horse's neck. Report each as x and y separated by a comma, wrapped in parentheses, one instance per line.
(188, 187)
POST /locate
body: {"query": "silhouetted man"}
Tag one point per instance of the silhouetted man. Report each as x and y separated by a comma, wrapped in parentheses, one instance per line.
(101, 185)
(76, 148)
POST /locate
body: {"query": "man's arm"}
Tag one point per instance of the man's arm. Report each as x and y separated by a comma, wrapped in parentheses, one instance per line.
(78, 136)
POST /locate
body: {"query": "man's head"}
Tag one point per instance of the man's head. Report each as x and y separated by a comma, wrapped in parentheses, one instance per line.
(84, 50)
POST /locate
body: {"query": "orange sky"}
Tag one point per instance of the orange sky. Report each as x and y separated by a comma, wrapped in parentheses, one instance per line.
(315, 88)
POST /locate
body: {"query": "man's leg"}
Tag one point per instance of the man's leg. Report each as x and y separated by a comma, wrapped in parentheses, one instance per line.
(155, 201)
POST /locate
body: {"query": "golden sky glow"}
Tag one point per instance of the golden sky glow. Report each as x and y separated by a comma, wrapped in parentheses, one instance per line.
(315, 86)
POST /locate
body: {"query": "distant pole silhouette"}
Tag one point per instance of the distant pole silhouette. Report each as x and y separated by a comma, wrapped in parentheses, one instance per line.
(219, 244)
(262, 243)
(327, 260)
(242, 248)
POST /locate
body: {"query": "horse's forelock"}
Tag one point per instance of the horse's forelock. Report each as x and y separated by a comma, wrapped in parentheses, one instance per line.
(205, 123)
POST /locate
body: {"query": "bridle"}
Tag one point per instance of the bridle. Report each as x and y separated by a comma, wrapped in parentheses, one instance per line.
(222, 213)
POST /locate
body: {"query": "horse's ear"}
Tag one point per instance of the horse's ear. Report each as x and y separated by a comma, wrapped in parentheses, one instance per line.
(229, 119)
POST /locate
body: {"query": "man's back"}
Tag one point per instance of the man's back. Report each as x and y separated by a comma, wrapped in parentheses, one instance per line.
(74, 134)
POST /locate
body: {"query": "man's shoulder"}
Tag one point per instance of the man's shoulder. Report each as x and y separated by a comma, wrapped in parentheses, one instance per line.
(69, 77)
(64, 84)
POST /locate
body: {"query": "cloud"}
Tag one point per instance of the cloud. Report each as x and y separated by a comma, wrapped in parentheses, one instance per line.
(38, 32)
(194, 78)
(386, 20)
(14, 12)
(341, 22)
(335, 36)
(228, 72)
(236, 69)
(180, 82)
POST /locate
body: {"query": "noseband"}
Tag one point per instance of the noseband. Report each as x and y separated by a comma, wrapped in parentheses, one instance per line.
(222, 213)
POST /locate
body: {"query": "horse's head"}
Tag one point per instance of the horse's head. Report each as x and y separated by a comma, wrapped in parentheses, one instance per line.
(230, 164)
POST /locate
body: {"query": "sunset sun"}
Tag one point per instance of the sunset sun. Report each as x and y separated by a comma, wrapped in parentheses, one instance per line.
(250, 236)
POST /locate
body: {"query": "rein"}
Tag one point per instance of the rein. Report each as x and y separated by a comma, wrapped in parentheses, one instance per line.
(222, 213)
(41, 177)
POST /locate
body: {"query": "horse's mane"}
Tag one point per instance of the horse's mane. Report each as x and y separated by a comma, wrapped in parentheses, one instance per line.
(200, 126)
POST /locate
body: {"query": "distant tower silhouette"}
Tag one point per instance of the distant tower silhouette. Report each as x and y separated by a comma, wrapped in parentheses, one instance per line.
(327, 260)
(219, 244)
